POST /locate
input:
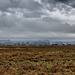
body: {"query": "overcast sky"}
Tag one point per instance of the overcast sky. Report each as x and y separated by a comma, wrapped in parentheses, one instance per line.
(37, 19)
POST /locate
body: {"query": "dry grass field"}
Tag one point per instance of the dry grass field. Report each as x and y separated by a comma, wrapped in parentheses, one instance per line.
(37, 60)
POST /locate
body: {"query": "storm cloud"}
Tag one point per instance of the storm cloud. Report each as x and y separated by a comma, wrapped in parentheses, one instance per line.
(37, 19)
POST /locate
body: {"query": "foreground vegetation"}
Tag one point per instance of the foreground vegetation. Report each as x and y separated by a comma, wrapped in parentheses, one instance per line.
(35, 60)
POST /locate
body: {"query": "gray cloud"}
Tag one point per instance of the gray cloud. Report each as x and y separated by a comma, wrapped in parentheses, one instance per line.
(65, 1)
(28, 4)
(34, 19)
(68, 2)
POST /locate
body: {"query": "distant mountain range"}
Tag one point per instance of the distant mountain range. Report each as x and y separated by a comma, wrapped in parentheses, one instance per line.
(36, 43)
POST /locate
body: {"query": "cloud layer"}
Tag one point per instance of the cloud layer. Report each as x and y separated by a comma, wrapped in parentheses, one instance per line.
(37, 19)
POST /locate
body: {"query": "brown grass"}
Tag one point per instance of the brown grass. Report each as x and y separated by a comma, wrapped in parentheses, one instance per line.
(35, 60)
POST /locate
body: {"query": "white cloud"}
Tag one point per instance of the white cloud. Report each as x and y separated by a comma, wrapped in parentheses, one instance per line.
(62, 15)
(39, 1)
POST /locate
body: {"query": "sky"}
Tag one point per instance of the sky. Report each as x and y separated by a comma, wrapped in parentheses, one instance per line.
(37, 19)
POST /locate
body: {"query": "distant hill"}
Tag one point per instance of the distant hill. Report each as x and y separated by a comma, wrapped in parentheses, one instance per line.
(36, 43)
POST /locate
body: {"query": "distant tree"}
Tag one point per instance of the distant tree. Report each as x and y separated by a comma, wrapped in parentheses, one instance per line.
(40, 45)
(23, 43)
(18, 43)
(46, 45)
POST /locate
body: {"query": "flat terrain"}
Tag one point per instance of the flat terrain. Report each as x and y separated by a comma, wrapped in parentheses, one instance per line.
(37, 60)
